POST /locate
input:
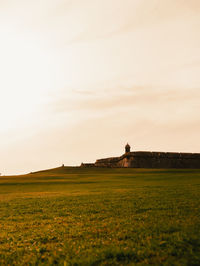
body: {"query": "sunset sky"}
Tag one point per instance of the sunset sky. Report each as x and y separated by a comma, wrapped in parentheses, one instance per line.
(81, 78)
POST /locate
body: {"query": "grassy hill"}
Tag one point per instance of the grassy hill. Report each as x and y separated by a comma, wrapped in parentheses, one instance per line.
(80, 216)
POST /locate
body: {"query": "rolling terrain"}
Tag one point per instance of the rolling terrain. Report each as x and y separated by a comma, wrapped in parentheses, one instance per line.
(99, 216)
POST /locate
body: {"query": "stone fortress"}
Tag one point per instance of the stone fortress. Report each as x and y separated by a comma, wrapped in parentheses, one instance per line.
(147, 159)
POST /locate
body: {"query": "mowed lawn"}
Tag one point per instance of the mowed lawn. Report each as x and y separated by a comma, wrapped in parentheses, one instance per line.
(78, 216)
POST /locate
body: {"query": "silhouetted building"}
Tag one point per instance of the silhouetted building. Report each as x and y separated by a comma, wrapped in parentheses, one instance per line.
(148, 159)
(127, 148)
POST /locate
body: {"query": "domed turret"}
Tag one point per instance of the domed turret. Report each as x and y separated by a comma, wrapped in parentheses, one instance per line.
(127, 148)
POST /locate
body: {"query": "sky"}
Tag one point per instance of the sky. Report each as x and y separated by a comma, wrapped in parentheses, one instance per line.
(81, 78)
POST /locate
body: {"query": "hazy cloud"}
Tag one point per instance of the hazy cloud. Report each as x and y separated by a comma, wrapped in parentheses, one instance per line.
(80, 78)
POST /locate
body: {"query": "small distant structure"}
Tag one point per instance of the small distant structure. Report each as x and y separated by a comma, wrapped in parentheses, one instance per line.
(127, 148)
(149, 159)
(88, 165)
(63, 165)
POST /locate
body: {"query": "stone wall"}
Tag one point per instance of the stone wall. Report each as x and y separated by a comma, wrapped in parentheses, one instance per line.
(87, 165)
(152, 160)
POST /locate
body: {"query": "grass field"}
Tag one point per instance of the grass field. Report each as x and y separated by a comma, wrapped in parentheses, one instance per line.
(79, 216)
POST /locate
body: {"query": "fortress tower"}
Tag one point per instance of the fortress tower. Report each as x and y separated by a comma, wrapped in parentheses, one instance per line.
(127, 148)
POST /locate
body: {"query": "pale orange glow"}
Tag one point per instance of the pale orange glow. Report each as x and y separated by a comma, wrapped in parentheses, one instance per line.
(78, 79)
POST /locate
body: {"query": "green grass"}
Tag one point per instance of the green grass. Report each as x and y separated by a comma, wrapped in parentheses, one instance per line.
(79, 216)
